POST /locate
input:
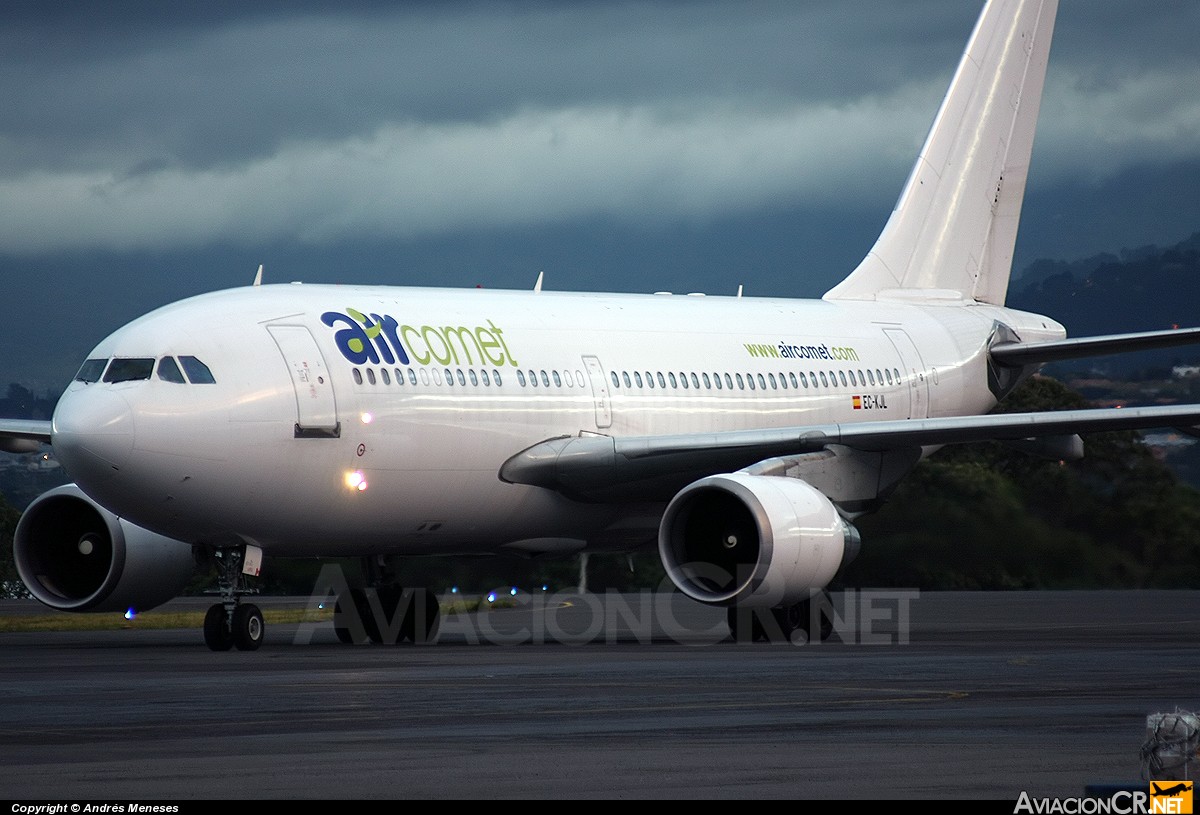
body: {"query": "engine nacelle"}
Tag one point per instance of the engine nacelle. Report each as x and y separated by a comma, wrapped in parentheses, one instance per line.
(74, 555)
(753, 540)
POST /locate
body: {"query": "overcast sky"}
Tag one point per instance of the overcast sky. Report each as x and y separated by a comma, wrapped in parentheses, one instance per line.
(149, 151)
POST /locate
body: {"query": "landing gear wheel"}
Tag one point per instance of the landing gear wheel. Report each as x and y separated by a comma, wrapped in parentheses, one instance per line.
(347, 621)
(422, 616)
(248, 627)
(366, 613)
(745, 624)
(216, 629)
(799, 618)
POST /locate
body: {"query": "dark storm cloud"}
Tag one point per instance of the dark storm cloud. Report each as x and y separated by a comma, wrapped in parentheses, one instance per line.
(147, 142)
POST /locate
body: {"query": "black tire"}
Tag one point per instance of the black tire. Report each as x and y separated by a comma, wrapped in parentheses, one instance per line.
(347, 621)
(388, 630)
(422, 617)
(745, 624)
(366, 613)
(248, 627)
(216, 632)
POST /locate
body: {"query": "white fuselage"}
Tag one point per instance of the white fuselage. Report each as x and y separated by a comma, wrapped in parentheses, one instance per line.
(359, 420)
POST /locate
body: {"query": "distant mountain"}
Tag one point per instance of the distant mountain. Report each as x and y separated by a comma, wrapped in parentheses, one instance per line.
(1142, 289)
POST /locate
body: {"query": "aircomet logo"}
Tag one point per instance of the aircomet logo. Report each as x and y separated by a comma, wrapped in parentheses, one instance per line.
(787, 351)
(375, 338)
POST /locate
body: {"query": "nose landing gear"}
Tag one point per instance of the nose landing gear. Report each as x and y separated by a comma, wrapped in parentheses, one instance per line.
(232, 623)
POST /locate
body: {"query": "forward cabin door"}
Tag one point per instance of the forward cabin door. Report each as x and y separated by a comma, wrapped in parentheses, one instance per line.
(316, 408)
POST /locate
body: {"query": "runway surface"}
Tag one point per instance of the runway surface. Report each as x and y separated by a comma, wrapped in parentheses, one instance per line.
(961, 696)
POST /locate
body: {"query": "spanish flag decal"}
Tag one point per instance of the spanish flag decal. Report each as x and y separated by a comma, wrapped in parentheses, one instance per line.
(858, 403)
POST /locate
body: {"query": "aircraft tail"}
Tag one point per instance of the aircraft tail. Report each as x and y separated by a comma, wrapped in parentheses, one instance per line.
(955, 223)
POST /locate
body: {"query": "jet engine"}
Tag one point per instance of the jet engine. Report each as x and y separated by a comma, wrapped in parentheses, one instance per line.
(74, 555)
(754, 541)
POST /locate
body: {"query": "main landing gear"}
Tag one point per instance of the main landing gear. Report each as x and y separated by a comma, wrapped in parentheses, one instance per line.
(386, 612)
(805, 621)
(232, 623)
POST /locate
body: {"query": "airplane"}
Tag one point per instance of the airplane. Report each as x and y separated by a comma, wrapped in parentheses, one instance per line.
(1171, 791)
(741, 436)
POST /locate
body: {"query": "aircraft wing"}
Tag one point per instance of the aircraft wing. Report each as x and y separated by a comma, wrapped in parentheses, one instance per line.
(1015, 354)
(23, 435)
(651, 468)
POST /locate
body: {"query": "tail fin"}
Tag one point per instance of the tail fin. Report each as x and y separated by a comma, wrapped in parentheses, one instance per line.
(955, 224)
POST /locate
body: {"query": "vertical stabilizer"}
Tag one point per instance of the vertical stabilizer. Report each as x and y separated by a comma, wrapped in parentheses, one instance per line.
(955, 224)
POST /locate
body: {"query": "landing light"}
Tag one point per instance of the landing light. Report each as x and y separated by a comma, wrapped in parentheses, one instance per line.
(355, 480)
(367, 418)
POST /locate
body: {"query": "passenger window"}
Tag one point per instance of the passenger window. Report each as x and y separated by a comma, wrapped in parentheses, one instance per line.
(717, 381)
(462, 378)
(129, 370)
(579, 377)
(662, 381)
(521, 377)
(496, 377)
(649, 379)
(750, 380)
(889, 376)
(387, 378)
(475, 378)
(771, 379)
(792, 376)
(695, 381)
(683, 380)
(616, 382)
(671, 376)
(824, 380)
(449, 377)
(371, 375)
(729, 381)
(399, 377)
(197, 372)
(741, 383)
(762, 383)
(357, 374)
(412, 376)
(168, 371)
(707, 382)
(533, 378)
(637, 378)
(625, 379)
(557, 379)
(898, 379)
(842, 376)
(91, 370)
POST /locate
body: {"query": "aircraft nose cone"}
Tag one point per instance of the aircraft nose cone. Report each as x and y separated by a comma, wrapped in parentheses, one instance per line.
(92, 432)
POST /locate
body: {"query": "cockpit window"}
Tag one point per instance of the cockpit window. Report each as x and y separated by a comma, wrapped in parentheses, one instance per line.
(168, 370)
(129, 370)
(197, 372)
(91, 370)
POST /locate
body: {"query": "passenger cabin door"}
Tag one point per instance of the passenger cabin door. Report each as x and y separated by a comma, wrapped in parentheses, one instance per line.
(316, 409)
(599, 392)
(913, 370)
